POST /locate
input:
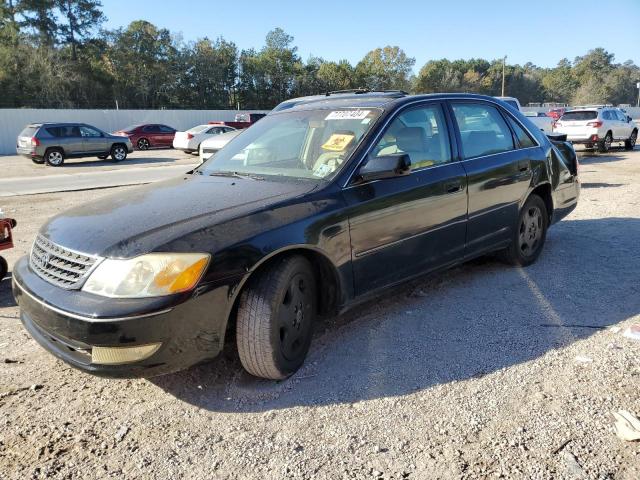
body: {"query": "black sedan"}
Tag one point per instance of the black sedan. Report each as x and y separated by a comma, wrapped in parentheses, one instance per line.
(324, 203)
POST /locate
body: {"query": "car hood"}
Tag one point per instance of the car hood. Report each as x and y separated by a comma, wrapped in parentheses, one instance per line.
(144, 219)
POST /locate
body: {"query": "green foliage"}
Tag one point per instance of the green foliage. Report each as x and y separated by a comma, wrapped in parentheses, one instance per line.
(52, 54)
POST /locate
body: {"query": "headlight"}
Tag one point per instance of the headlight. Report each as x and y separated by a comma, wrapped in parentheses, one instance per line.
(151, 275)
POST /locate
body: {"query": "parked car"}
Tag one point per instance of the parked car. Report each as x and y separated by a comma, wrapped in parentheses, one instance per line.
(309, 212)
(54, 142)
(190, 140)
(556, 113)
(598, 127)
(211, 145)
(146, 136)
(541, 120)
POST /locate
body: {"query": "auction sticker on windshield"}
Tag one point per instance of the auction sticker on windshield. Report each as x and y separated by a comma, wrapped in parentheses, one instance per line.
(338, 142)
(348, 115)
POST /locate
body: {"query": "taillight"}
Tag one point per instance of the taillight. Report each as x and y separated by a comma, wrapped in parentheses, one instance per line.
(35, 142)
(596, 124)
(189, 136)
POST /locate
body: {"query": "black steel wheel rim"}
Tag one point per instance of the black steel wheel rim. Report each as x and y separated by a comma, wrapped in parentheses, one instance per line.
(530, 231)
(295, 316)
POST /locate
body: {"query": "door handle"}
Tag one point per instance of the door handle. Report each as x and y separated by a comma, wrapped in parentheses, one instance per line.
(453, 187)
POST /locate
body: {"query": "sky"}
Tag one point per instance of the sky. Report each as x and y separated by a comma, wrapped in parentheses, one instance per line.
(537, 31)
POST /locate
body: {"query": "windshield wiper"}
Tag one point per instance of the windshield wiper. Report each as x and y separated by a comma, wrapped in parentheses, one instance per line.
(235, 175)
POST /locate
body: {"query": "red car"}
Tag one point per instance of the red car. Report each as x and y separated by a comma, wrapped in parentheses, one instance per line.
(556, 113)
(150, 135)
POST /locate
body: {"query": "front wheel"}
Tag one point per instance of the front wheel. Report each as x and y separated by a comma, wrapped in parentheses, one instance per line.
(605, 145)
(118, 153)
(530, 233)
(631, 142)
(275, 319)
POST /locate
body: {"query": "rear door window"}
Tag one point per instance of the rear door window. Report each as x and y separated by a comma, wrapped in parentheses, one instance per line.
(483, 131)
(523, 138)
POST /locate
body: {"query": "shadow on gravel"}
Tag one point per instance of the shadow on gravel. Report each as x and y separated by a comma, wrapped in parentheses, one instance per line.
(6, 296)
(468, 322)
(586, 157)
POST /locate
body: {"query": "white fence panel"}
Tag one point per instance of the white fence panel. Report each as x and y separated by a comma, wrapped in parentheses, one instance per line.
(13, 120)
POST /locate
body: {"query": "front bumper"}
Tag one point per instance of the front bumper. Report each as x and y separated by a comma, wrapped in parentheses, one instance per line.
(189, 329)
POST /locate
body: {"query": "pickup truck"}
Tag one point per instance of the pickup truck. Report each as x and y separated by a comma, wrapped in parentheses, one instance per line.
(242, 120)
(541, 119)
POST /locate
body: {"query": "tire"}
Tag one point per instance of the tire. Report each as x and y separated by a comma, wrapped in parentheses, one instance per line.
(275, 319)
(38, 161)
(631, 142)
(530, 233)
(605, 145)
(118, 152)
(143, 144)
(4, 267)
(54, 157)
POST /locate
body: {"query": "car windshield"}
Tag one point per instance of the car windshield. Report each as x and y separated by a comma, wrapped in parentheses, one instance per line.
(312, 144)
(198, 129)
(580, 115)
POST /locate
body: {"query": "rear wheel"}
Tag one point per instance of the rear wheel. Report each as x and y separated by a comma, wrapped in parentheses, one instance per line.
(530, 233)
(118, 153)
(275, 319)
(605, 144)
(54, 157)
(631, 142)
(143, 144)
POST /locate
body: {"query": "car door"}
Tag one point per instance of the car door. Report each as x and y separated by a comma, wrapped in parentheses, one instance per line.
(406, 225)
(625, 126)
(165, 135)
(71, 140)
(94, 140)
(498, 174)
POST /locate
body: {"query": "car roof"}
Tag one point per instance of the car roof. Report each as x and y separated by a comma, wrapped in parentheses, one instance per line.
(383, 100)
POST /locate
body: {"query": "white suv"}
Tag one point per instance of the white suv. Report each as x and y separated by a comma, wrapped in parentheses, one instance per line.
(598, 126)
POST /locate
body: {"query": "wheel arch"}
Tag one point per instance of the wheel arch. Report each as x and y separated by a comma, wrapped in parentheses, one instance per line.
(544, 191)
(330, 293)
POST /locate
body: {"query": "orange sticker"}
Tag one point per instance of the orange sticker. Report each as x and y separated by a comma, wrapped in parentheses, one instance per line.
(338, 142)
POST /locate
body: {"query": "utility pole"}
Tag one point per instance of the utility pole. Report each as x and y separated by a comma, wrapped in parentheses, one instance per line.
(504, 61)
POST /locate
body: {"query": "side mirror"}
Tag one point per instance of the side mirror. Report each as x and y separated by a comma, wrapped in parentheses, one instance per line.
(386, 166)
(629, 119)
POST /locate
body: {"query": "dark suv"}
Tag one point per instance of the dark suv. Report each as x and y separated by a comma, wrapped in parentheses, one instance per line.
(53, 142)
(325, 203)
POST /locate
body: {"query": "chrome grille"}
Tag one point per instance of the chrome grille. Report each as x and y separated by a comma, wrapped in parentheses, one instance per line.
(60, 266)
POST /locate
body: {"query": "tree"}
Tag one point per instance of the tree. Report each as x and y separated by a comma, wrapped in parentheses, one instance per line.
(38, 16)
(336, 76)
(82, 17)
(386, 68)
(142, 60)
(560, 83)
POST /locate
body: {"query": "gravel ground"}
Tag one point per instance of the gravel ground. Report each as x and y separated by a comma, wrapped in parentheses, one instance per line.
(486, 371)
